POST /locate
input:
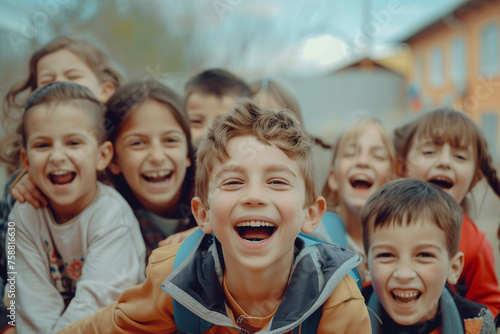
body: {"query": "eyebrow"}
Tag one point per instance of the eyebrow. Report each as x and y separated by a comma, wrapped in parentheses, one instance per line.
(385, 245)
(354, 143)
(72, 69)
(427, 245)
(146, 134)
(35, 138)
(239, 169)
(196, 113)
(426, 142)
(418, 246)
(280, 168)
(228, 169)
(78, 133)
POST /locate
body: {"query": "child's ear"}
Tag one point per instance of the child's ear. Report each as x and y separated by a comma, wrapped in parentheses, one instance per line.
(456, 266)
(200, 213)
(114, 167)
(24, 159)
(107, 89)
(332, 180)
(104, 155)
(314, 215)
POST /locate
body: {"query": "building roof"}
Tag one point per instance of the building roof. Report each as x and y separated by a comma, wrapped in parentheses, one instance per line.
(398, 63)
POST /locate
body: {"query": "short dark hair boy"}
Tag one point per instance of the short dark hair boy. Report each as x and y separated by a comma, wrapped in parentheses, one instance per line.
(411, 235)
(211, 94)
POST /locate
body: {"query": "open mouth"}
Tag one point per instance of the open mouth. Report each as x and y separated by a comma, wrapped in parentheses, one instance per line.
(442, 182)
(406, 297)
(61, 177)
(157, 177)
(255, 231)
(360, 182)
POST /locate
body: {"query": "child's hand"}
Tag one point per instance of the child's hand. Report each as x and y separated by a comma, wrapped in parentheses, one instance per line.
(177, 237)
(25, 190)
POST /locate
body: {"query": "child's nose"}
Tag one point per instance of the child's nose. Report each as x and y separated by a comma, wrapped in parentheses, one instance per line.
(254, 195)
(156, 153)
(363, 158)
(57, 154)
(445, 156)
(404, 272)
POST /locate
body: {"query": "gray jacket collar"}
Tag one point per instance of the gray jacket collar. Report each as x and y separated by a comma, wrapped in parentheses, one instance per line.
(316, 272)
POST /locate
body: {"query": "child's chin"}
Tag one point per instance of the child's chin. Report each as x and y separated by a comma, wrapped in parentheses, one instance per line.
(407, 320)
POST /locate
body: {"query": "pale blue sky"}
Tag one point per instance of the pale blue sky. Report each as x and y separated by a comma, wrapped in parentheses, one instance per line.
(266, 37)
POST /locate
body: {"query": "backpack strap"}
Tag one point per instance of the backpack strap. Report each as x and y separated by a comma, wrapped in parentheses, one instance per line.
(310, 240)
(335, 228)
(185, 320)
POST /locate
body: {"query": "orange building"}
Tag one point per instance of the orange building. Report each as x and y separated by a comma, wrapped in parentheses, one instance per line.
(456, 63)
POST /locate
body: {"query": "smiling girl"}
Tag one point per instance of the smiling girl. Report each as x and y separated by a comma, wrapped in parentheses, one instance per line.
(363, 160)
(153, 162)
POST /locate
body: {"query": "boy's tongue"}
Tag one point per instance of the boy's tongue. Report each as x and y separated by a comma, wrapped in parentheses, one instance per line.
(62, 179)
(251, 233)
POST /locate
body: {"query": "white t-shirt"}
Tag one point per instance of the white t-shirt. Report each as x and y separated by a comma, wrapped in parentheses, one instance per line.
(68, 271)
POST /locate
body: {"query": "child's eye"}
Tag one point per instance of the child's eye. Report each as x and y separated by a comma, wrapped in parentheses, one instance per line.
(279, 183)
(40, 145)
(461, 156)
(74, 77)
(231, 184)
(171, 140)
(44, 83)
(426, 254)
(380, 156)
(384, 255)
(136, 143)
(349, 152)
(74, 143)
(196, 123)
(73, 74)
(428, 151)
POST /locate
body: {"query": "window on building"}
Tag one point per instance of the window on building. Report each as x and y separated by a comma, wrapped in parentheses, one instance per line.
(490, 128)
(436, 68)
(458, 63)
(488, 58)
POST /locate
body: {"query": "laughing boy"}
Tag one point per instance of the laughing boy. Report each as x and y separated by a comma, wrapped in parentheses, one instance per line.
(251, 271)
(411, 235)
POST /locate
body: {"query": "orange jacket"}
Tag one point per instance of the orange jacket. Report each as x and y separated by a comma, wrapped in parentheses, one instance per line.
(478, 281)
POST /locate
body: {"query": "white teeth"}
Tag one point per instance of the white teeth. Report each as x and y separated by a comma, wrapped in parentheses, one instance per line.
(157, 174)
(406, 294)
(443, 178)
(360, 177)
(255, 223)
(60, 172)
